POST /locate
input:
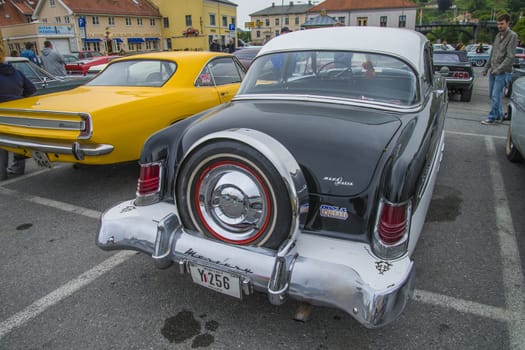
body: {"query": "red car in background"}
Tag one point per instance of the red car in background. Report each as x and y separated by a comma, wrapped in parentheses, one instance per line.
(82, 66)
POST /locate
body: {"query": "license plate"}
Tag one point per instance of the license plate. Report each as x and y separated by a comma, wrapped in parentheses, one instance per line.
(219, 281)
(41, 159)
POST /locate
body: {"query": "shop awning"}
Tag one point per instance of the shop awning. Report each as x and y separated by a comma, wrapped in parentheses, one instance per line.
(135, 40)
(118, 40)
(92, 40)
(152, 39)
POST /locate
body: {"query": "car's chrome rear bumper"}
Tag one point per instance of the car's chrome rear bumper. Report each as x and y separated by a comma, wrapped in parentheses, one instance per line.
(76, 149)
(317, 270)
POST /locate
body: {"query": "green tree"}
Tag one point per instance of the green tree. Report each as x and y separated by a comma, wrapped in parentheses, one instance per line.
(519, 28)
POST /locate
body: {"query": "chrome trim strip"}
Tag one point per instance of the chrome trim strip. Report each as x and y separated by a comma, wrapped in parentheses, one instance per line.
(38, 123)
(58, 148)
(37, 111)
(47, 123)
(328, 99)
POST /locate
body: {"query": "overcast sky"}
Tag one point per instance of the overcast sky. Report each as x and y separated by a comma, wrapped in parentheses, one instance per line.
(245, 7)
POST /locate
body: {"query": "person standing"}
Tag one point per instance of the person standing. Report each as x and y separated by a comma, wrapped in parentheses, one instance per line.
(499, 66)
(214, 46)
(52, 60)
(29, 53)
(13, 85)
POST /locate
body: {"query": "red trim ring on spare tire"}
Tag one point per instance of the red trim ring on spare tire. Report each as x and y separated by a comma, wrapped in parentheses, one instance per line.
(230, 192)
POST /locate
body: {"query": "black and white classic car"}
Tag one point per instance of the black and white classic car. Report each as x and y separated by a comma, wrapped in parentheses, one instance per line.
(312, 184)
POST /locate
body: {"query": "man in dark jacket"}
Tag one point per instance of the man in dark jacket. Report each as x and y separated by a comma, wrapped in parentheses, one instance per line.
(499, 67)
(13, 85)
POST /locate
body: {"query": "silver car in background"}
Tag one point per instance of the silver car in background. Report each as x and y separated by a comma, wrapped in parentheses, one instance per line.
(515, 145)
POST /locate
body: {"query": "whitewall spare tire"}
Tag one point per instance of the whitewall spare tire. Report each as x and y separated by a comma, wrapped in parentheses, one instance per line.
(230, 192)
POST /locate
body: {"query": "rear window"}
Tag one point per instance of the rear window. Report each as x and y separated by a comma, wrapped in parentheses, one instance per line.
(135, 73)
(339, 74)
(450, 57)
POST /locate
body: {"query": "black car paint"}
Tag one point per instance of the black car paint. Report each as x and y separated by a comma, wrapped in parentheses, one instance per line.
(392, 150)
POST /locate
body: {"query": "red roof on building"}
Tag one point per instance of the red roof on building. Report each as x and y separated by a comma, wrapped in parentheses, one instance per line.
(25, 7)
(345, 5)
(14, 12)
(113, 7)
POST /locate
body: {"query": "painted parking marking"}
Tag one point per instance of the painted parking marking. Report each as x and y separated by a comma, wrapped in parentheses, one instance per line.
(52, 203)
(513, 283)
(63, 292)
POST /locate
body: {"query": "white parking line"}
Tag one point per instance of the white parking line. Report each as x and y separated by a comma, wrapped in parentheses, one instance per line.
(513, 282)
(52, 203)
(63, 292)
(476, 135)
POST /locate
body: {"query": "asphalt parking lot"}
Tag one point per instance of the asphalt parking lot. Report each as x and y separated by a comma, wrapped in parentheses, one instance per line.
(59, 291)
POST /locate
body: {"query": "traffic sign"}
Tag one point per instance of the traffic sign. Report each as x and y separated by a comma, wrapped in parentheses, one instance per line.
(231, 26)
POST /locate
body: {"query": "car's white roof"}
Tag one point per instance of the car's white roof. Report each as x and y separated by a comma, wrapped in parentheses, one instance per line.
(15, 59)
(404, 43)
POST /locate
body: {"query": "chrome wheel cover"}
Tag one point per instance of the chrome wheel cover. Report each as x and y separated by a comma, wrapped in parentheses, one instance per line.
(232, 202)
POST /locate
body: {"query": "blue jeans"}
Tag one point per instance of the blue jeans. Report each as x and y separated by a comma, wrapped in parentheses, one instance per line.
(496, 86)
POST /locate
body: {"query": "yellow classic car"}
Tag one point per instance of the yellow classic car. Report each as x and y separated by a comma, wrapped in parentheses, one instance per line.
(107, 120)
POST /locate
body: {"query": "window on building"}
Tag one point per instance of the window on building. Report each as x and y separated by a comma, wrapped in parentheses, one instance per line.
(152, 45)
(128, 21)
(267, 22)
(111, 21)
(224, 21)
(382, 21)
(66, 19)
(277, 22)
(51, 3)
(44, 20)
(233, 21)
(95, 20)
(166, 22)
(139, 21)
(188, 21)
(277, 33)
(258, 34)
(286, 20)
(58, 20)
(362, 21)
(213, 21)
(152, 22)
(341, 19)
(402, 21)
(296, 21)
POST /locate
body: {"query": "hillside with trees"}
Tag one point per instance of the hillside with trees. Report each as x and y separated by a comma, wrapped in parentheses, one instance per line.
(464, 11)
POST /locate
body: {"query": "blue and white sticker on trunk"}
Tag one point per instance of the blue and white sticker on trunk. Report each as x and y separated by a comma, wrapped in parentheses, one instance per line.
(333, 212)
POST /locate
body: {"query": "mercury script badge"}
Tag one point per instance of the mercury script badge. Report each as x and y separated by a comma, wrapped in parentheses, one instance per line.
(338, 181)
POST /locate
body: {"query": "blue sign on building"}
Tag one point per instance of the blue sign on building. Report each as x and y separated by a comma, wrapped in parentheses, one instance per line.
(231, 26)
(82, 22)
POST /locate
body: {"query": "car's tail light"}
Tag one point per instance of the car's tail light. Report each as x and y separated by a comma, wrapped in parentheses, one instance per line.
(149, 183)
(391, 229)
(461, 75)
(86, 127)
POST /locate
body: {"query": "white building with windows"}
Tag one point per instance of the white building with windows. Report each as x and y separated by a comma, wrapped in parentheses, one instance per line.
(379, 13)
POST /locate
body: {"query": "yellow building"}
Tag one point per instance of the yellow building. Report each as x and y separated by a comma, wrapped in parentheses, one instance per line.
(192, 25)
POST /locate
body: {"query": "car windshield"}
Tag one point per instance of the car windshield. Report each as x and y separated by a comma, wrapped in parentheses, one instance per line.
(32, 71)
(135, 73)
(341, 74)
